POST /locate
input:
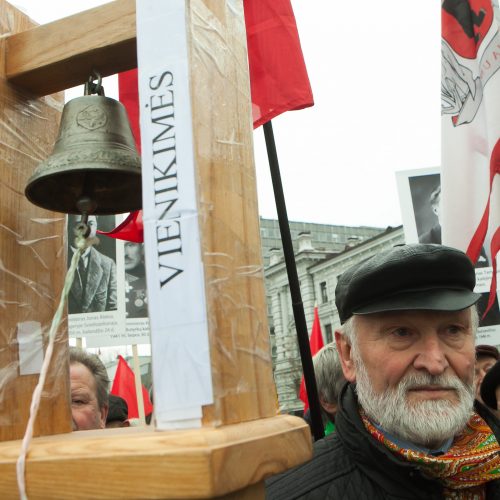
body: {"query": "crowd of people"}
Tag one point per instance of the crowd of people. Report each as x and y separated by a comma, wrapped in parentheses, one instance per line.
(410, 404)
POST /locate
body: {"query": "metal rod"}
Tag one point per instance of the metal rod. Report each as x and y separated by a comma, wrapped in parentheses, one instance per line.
(293, 280)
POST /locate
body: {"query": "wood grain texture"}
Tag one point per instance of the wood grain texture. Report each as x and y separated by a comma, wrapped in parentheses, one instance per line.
(32, 260)
(242, 441)
(62, 54)
(226, 188)
(141, 463)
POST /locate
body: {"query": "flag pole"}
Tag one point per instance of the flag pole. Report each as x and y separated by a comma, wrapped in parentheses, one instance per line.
(138, 385)
(293, 280)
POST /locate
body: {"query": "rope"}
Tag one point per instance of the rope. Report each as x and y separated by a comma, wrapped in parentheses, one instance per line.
(81, 244)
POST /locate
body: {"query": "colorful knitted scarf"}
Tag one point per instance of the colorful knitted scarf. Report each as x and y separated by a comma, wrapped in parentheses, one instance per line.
(472, 460)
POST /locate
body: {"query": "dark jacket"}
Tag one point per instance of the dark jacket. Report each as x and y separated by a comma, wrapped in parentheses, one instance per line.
(350, 464)
(99, 290)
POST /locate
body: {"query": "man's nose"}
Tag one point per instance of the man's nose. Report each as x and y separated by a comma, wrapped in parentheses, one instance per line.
(431, 356)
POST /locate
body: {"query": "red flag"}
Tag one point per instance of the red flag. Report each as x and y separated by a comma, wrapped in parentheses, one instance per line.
(124, 386)
(278, 78)
(128, 94)
(278, 75)
(131, 229)
(316, 343)
(471, 131)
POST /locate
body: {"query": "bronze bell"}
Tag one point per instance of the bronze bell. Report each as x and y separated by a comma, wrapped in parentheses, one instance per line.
(94, 162)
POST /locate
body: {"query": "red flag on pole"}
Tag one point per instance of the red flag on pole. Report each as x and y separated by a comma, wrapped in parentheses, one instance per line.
(278, 79)
(128, 94)
(131, 229)
(471, 130)
(278, 75)
(315, 343)
(124, 386)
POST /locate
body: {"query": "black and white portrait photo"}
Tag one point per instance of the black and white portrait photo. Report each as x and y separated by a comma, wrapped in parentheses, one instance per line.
(136, 301)
(94, 285)
(426, 199)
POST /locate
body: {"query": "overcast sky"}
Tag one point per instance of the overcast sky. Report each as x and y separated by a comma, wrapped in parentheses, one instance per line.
(375, 73)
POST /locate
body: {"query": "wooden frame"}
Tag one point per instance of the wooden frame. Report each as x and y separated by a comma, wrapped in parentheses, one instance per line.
(141, 463)
(242, 441)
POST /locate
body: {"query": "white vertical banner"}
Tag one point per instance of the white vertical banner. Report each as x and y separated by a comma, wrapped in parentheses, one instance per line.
(470, 115)
(174, 270)
(470, 90)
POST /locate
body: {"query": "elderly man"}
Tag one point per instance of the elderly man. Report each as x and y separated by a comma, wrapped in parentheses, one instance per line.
(89, 390)
(406, 424)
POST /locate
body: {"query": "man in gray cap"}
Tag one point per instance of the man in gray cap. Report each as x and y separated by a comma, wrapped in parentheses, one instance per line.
(407, 426)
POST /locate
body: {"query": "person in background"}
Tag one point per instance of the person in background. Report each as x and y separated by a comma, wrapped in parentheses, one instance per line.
(118, 412)
(406, 425)
(486, 357)
(89, 390)
(329, 381)
(490, 389)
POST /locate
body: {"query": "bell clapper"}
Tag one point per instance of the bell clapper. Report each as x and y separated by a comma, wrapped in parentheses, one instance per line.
(86, 206)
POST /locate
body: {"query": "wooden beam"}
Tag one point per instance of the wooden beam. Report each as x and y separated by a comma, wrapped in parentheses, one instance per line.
(32, 263)
(140, 463)
(60, 55)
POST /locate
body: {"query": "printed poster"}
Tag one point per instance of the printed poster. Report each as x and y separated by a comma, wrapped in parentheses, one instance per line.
(420, 200)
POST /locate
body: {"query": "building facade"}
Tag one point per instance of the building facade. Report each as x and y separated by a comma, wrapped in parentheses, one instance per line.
(318, 270)
(324, 237)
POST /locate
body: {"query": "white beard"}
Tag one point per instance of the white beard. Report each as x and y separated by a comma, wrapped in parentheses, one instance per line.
(429, 423)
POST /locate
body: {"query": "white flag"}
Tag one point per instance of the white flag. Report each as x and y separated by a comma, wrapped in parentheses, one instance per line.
(470, 91)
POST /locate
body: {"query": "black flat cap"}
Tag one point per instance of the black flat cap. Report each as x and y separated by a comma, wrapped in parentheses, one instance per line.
(489, 385)
(408, 277)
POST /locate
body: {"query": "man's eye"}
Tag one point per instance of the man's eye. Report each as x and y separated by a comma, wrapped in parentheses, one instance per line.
(77, 402)
(401, 333)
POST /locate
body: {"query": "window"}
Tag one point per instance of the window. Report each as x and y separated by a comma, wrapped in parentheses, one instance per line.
(328, 333)
(324, 293)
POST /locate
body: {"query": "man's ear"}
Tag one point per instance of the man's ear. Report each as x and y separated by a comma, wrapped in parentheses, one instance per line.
(345, 354)
(104, 416)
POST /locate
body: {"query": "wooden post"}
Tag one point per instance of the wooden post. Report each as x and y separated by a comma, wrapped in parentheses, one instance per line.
(241, 361)
(242, 440)
(32, 260)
